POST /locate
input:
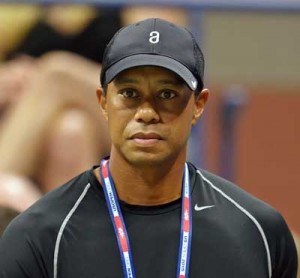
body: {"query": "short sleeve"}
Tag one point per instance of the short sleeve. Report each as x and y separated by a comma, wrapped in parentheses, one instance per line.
(19, 255)
(285, 253)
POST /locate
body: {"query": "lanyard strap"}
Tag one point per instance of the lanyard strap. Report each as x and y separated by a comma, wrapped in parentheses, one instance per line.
(121, 231)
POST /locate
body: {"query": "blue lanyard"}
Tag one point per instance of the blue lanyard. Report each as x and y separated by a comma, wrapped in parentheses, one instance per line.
(121, 231)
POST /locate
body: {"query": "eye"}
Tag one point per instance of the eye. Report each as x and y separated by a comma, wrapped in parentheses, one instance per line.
(128, 93)
(167, 94)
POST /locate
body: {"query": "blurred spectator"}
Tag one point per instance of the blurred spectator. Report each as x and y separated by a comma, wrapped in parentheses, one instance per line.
(15, 22)
(81, 29)
(16, 195)
(14, 76)
(55, 129)
(49, 116)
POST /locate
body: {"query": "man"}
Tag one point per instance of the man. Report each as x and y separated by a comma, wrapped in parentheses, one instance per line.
(146, 212)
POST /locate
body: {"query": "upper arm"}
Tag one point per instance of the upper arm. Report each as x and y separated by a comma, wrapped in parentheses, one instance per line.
(285, 259)
(19, 256)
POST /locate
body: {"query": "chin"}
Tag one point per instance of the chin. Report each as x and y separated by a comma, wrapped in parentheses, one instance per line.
(146, 159)
(151, 157)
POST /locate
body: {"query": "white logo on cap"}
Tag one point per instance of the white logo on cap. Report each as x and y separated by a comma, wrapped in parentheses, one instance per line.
(154, 37)
(194, 84)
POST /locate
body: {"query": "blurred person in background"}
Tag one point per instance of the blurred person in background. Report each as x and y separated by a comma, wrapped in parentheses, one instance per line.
(16, 195)
(46, 103)
(54, 128)
(80, 29)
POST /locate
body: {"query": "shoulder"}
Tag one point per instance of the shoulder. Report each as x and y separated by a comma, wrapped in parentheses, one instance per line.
(238, 197)
(48, 212)
(28, 243)
(279, 244)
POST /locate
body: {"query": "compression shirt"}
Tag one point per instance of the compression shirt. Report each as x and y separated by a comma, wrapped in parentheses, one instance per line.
(68, 233)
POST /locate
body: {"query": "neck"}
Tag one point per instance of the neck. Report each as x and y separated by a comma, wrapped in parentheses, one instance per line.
(147, 185)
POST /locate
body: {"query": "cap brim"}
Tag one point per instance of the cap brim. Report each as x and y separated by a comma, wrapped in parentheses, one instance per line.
(151, 60)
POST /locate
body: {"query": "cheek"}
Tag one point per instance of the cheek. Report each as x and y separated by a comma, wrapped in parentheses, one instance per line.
(182, 116)
(118, 121)
(182, 124)
(115, 124)
(179, 129)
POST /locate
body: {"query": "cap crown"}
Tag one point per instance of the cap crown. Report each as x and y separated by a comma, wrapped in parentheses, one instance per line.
(156, 37)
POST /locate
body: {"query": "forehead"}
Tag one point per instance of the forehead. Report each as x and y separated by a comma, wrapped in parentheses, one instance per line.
(143, 73)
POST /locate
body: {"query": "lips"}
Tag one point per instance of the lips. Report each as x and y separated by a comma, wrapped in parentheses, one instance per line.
(146, 139)
(146, 136)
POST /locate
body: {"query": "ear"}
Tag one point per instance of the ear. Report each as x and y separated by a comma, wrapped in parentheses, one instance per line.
(200, 102)
(102, 101)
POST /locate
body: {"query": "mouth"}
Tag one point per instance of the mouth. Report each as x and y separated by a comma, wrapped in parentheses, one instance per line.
(146, 139)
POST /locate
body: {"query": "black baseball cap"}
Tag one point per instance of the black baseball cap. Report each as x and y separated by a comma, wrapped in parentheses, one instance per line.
(154, 42)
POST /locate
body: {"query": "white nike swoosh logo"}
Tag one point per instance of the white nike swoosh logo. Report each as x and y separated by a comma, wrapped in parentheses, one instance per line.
(202, 208)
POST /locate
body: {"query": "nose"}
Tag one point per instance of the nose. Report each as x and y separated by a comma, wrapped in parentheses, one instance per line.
(146, 114)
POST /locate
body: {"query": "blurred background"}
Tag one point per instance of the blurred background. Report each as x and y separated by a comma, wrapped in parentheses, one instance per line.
(50, 58)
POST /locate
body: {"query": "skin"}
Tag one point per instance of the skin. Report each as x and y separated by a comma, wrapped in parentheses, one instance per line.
(58, 121)
(150, 113)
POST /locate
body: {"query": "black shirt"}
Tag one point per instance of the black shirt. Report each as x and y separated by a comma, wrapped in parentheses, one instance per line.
(68, 233)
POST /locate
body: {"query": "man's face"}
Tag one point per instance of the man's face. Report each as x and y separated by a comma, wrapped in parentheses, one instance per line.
(150, 112)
